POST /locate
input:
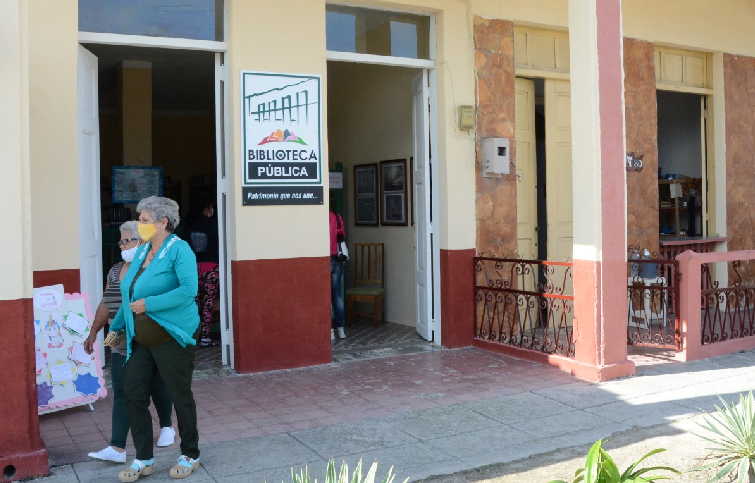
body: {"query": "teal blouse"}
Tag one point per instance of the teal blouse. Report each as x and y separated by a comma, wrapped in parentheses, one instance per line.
(169, 289)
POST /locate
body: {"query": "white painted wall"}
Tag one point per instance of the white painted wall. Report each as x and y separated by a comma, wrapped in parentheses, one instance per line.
(370, 120)
(295, 43)
(15, 196)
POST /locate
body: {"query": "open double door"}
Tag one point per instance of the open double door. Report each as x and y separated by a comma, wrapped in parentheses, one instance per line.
(91, 276)
(557, 188)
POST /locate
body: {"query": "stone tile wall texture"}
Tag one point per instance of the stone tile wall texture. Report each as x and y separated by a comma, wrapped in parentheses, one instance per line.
(496, 197)
(739, 80)
(641, 138)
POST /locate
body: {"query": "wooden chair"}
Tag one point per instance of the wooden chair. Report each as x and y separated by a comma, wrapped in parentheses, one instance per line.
(369, 287)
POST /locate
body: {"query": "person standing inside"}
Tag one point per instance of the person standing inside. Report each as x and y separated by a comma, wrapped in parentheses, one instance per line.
(159, 316)
(111, 302)
(203, 237)
(337, 263)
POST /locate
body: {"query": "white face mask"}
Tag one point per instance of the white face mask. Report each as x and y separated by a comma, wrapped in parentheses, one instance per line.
(128, 255)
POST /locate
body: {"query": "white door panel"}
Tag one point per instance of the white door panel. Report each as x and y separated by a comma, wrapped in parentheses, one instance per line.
(526, 170)
(90, 224)
(221, 149)
(558, 169)
(422, 207)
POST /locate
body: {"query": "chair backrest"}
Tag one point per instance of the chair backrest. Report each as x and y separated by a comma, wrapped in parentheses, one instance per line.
(368, 264)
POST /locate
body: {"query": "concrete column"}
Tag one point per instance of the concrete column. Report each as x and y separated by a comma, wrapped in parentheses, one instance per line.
(599, 174)
(136, 112)
(22, 454)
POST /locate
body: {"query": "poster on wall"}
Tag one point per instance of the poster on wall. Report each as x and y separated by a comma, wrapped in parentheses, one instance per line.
(133, 183)
(366, 194)
(394, 193)
(66, 375)
(281, 136)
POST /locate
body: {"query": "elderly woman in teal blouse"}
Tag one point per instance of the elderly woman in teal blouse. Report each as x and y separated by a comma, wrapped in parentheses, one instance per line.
(159, 316)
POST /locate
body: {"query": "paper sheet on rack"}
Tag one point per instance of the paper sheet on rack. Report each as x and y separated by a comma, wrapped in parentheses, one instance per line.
(41, 361)
(48, 298)
(76, 323)
(79, 355)
(62, 372)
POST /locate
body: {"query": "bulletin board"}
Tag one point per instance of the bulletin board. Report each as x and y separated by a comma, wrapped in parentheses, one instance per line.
(134, 183)
(66, 375)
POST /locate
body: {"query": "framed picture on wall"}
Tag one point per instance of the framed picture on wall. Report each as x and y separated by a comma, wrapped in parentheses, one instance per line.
(132, 183)
(394, 193)
(366, 205)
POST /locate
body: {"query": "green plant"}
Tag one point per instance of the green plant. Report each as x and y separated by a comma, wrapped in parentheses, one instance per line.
(600, 468)
(732, 432)
(342, 475)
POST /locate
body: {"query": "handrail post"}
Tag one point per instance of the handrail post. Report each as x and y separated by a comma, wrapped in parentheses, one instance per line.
(690, 305)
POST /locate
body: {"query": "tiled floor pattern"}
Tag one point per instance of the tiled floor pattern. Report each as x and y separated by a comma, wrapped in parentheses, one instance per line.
(244, 406)
(366, 341)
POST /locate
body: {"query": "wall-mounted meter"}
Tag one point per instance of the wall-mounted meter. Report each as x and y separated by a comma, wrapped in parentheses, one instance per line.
(495, 157)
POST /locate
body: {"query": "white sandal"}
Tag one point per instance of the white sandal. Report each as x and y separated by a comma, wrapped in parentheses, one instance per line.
(137, 469)
(184, 468)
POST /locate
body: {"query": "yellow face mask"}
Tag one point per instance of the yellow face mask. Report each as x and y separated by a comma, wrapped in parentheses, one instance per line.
(146, 231)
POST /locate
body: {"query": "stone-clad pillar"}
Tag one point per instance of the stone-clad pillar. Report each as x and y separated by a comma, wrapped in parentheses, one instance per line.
(599, 174)
(642, 139)
(496, 196)
(22, 454)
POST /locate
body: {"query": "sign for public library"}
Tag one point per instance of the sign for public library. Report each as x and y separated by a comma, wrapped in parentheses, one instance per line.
(282, 145)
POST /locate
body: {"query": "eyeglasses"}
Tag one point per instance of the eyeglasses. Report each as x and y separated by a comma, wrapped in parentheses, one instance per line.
(126, 241)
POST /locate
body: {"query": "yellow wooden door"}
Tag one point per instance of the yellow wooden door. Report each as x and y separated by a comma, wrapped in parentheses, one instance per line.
(558, 169)
(526, 170)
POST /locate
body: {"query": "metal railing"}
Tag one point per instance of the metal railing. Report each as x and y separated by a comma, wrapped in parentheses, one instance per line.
(728, 312)
(527, 304)
(653, 299)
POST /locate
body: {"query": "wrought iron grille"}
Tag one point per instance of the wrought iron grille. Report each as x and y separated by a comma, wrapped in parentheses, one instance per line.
(525, 303)
(728, 312)
(653, 299)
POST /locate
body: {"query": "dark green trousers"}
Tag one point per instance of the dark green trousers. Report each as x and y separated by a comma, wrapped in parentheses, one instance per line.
(175, 365)
(120, 413)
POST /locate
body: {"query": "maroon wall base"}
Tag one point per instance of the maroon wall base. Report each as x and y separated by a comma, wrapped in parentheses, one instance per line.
(281, 313)
(22, 454)
(68, 277)
(457, 294)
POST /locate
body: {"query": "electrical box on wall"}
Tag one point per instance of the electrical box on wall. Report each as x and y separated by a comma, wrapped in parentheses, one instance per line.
(495, 157)
(466, 118)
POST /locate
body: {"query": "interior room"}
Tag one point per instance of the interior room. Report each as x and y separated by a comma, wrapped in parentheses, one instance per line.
(157, 136)
(371, 141)
(681, 164)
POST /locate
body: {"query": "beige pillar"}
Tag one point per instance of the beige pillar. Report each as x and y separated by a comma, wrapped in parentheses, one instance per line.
(600, 272)
(136, 112)
(22, 454)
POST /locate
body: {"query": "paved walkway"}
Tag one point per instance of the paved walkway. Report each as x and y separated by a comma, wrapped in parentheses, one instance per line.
(427, 414)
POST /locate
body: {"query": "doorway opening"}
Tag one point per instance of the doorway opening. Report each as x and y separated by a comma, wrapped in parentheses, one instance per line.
(682, 165)
(379, 140)
(157, 131)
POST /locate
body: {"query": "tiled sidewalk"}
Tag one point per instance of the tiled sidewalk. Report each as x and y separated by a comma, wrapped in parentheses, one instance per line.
(235, 407)
(427, 414)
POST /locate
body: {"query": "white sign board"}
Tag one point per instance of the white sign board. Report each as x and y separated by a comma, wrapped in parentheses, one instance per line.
(66, 375)
(282, 139)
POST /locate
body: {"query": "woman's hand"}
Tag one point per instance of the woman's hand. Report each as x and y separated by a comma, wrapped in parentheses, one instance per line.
(138, 307)
(89, 343)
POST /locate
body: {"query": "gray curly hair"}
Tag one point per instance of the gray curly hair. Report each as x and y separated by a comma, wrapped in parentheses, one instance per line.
(130, 228)
(160, 207)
